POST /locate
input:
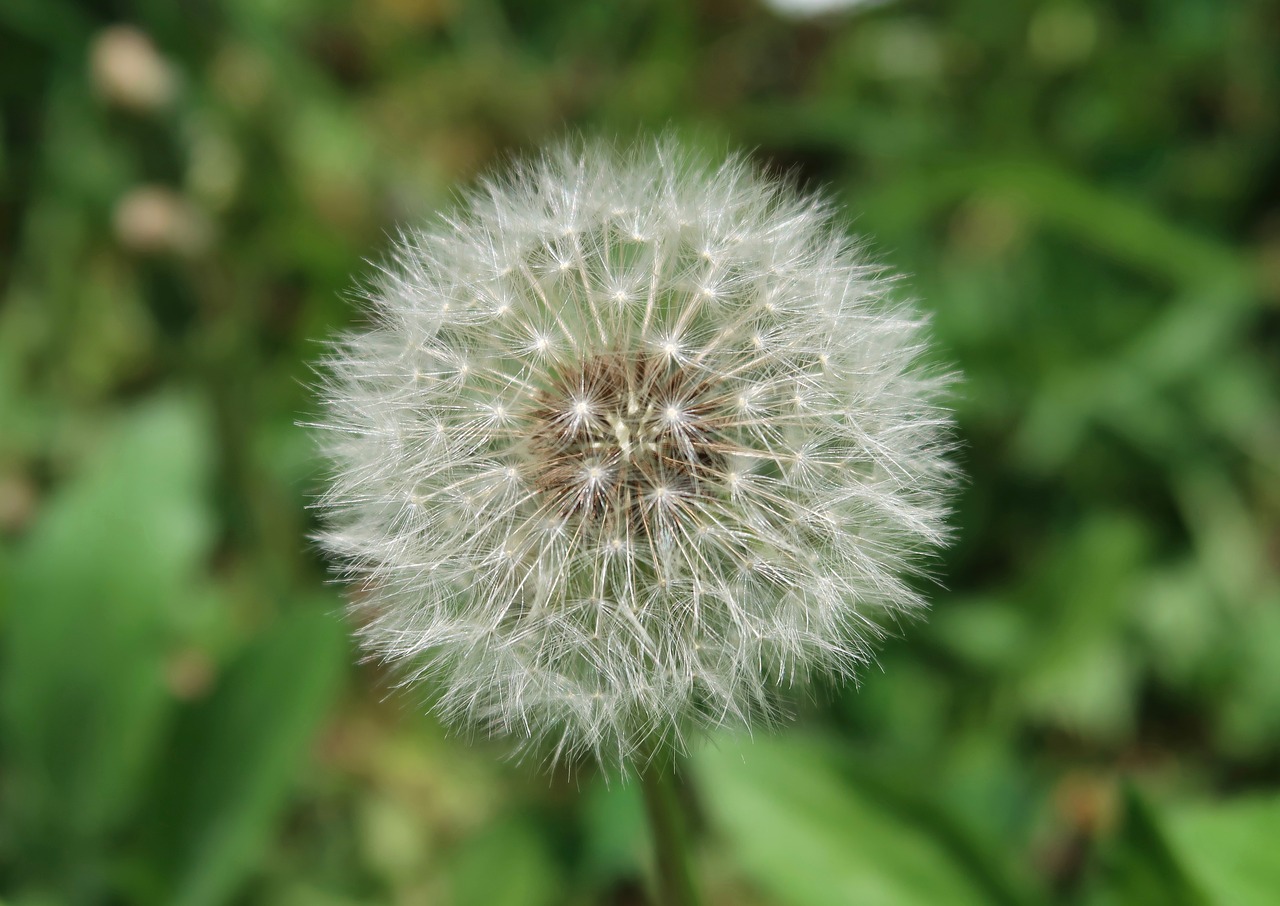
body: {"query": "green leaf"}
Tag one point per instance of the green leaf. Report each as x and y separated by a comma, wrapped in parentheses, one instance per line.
(1139, 866)
(1229, 849)
(1249, 720)
(507, 864)
(94, 597)
(811, 837)
(1077, 672)
(1212, 854)
(235, 758)
(615, 832)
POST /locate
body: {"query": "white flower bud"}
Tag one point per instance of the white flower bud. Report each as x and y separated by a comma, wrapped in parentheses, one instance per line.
(127, 70)
(632, 442)
(156, 220)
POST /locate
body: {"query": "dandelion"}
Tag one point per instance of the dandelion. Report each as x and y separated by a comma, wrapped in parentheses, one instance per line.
(632, 444)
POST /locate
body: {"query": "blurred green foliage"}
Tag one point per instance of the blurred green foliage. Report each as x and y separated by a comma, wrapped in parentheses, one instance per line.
(1086, 194)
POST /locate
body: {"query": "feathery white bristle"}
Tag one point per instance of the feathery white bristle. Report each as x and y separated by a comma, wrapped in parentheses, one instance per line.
(633, 442)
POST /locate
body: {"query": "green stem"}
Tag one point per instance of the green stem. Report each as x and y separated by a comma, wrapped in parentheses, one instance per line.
(670, 836)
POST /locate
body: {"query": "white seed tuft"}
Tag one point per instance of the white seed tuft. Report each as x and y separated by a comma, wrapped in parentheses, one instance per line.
(633, 442)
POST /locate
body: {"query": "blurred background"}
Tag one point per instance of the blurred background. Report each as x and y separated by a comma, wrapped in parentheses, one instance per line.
(1087, 196)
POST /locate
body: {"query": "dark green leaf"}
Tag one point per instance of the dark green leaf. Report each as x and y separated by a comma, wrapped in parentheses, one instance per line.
(803, 832)
(235, 758)
(95, 596)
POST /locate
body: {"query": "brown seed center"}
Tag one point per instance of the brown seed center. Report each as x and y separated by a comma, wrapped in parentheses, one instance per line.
(625, 441)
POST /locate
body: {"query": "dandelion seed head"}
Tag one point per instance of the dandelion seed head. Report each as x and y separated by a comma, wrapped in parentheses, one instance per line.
(633, 443)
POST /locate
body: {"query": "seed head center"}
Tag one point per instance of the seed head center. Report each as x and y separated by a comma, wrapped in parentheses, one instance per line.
(617, 437)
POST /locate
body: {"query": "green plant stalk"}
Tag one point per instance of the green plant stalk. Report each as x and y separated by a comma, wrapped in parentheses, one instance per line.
(675, 885)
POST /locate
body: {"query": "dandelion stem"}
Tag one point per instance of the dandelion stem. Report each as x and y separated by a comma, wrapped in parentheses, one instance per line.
(675, 885)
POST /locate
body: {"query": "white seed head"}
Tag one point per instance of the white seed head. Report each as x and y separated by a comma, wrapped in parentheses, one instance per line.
(633, 443)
